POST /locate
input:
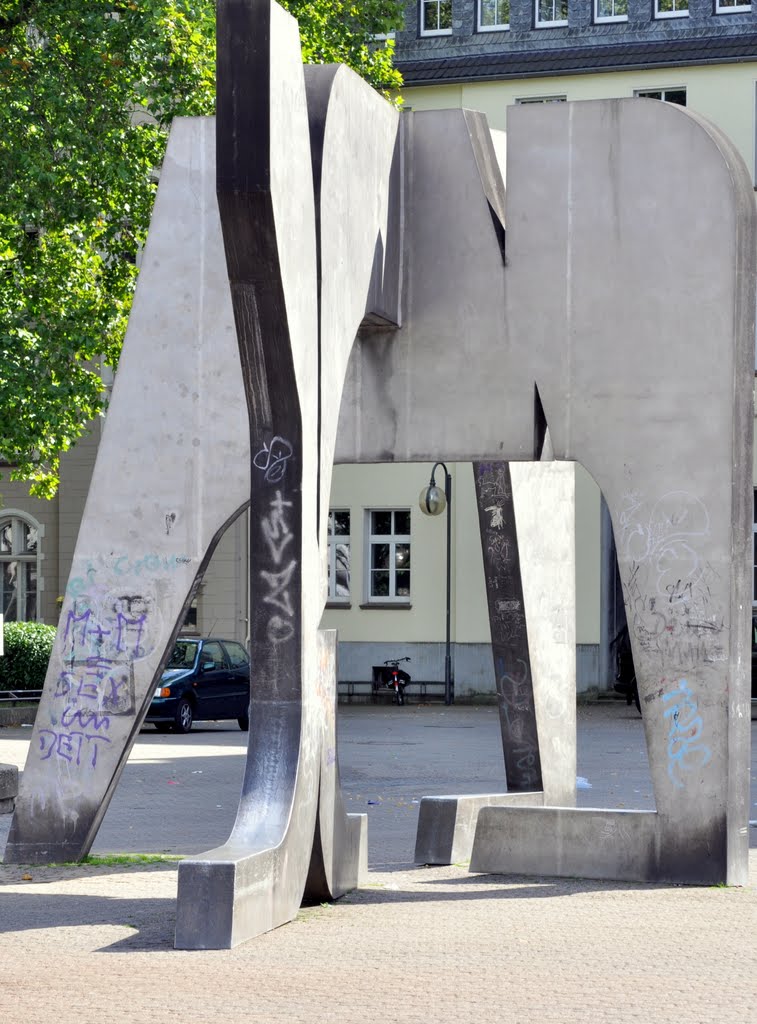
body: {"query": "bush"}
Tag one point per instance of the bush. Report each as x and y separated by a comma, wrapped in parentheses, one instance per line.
(28, 646)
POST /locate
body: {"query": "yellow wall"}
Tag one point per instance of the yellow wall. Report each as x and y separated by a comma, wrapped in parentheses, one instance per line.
(725, 94)
(398, 485)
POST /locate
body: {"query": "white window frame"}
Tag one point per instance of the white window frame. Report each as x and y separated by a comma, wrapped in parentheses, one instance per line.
(501, 26)
(334, 541)
(549, 24)
(17, 516)
(725, 8)
(433, 31)
(670, 14)
(392, 539)
(641, 94)
(540, 99)
(604, 19)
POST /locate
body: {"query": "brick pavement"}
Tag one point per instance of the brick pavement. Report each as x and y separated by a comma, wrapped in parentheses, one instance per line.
(415, 945)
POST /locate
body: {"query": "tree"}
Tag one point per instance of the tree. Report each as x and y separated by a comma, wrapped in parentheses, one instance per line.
(88, 90)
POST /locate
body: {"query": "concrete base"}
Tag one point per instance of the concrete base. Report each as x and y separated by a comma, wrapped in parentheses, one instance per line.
(230, 894)
(568, 842)
(12, 718)
(447, 824)
(8, 788)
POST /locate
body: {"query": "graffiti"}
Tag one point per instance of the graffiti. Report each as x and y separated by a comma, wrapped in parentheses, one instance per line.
(116, 633)
(493, 481)
(84, 718)
(272, 460)
(276, 532)
(103, 633)
(522, 761)
(498, 547)
(507, 622)
(100, 680)
(278, 583)
(685, 733)
(498, 519)
(123, 565)
(277, 535)
(70, 746)
(666, 540)
(682, 629)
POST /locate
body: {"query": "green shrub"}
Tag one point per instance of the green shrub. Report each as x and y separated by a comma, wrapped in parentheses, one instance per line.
(28, 646)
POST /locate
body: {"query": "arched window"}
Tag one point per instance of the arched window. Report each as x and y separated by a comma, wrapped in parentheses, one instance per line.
(19, 567)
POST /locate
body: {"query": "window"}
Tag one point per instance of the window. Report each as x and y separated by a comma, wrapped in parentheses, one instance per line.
(730, 6)
(550, 13)
(671, 8)
(339, 555)
(754, 553)
(389, 555)
(677, 95)
(212, 653)
(542, 99)
(436, 17)
(19, 566)
(610, 10)
(190, 618)
(237, 655)
(493, 15)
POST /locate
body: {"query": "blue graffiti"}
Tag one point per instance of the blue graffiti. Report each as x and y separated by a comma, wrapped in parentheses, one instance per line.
(685, 733)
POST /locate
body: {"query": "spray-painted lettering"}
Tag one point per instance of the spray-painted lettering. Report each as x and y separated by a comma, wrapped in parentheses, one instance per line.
(685, 749)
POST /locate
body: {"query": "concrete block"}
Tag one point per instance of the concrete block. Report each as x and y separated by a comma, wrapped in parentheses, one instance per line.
(571, 842)
(447, 824)
(8, 787)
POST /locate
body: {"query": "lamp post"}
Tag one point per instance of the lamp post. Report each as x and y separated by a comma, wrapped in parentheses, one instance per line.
(433, 501)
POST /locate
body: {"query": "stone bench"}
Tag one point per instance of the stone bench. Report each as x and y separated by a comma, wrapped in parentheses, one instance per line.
(8, 788)
(365, 690)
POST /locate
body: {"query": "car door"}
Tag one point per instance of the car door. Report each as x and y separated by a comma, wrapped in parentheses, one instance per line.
(239, 678)
(212, 682)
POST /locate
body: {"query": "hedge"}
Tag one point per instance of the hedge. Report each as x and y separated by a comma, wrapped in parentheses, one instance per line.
(28, 646)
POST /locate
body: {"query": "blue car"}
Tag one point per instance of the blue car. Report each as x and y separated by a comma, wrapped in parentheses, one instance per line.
(204, 680)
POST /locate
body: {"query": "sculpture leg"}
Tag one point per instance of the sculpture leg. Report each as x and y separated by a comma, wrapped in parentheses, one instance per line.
(529, 566)
(291, 791)
(172, 471)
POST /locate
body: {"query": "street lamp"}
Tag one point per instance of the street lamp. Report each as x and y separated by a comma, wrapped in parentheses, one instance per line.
(433, 501)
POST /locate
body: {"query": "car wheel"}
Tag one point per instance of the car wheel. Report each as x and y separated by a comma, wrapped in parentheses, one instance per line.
(244, 723)
(184, 717)
(162, 726)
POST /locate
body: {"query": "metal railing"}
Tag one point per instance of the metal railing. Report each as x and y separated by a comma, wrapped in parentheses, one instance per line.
(12, 698)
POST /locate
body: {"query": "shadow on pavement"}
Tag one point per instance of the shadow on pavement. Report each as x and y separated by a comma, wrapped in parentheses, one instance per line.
(150, 921)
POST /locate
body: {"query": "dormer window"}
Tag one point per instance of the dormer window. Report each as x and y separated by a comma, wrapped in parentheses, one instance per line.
(671, 8)
(551, 13)
(493, 15)
(436, 17)
(610, 10)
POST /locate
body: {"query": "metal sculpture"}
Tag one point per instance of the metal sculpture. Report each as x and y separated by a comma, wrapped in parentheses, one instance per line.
(335, 219)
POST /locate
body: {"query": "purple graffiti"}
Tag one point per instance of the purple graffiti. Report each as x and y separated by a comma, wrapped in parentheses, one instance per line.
(69, 746)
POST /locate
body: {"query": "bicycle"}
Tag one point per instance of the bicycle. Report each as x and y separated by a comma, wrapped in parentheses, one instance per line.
(396, 678)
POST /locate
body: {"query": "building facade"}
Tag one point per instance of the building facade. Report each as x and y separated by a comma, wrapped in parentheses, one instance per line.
(386, 560)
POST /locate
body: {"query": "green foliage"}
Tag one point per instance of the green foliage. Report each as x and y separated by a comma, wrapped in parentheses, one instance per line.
(341, 32)
(88, 89)
(28, 646)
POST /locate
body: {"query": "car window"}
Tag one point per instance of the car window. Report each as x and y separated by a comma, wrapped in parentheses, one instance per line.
(212, 651)
(237, 655)
(183, 655)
